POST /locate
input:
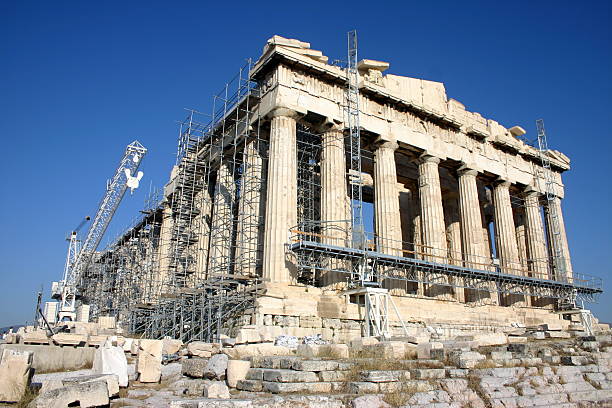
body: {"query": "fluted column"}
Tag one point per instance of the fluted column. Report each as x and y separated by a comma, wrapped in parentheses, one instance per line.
(475, 249)
(281, 196)
(219, 262)
(536, 239)
(432, 213)
(335, 206)
(249, 215)
(204, 204)
(555, 204)
(164, 255)
(386, 203)
(453, 240)
(505, 233)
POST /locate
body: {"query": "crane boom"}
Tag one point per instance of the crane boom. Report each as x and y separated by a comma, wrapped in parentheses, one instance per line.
(123, 178)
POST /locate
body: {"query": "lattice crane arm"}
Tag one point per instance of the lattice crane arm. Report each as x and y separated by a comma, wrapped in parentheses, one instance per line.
(125, 176)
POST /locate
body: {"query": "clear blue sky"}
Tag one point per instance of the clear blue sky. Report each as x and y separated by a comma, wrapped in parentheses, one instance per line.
(80, 80)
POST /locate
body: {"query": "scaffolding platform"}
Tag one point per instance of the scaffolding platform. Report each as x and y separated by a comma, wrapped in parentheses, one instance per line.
(586, 287)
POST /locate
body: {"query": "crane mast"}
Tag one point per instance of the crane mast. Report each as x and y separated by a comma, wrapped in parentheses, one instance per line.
(80, 255)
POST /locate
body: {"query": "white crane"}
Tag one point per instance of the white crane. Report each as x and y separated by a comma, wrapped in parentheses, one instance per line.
(78, 259)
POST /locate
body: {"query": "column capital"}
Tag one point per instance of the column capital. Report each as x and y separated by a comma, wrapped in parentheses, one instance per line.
(282, 111)
(468, 169)
(428, 158)
(501, 182)
(329, 125)
(530, 191)
(386, 144)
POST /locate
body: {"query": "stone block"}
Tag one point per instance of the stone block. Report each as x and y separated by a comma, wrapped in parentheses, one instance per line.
(236, 371)
(552, 326)
(248, 334)
(332, 376)
(557, 334)
(454, 386)
(332, 323)
(148, 361)
(310, 322)
(202, 349)
(69, 339)
(255, 374)
(574, 360)
(283, 388)
(86, 394)
(369, 401)
(517, 339)
(244, 351)
(127, 345)
(424, 349)
(466, 359)
(134, 347)
(501, 355)
(428, 373)
(96, 340)
(380, 376)
(111, 381)
(216, 389)
(111, 360)
(457, 372)
(358, 387)
(15, 374)
(171, 346)
(360, 342)
(216, 367)
(289, 376)
(107, 322)
(35, 337)
(315, 365)
(539, 335)
(249, 385)
(517, 348)
(194, 367)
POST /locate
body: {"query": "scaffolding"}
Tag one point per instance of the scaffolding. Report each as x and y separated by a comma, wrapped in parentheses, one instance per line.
(190, 266)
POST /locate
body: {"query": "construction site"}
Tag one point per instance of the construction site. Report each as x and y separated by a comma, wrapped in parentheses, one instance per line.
(320, 191)
(333, 232)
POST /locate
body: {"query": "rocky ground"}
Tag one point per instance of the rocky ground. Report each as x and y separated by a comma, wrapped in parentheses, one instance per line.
(533, 368)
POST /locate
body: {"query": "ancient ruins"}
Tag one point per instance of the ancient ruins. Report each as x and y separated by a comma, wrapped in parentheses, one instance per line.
(256, 226)
(330, 228)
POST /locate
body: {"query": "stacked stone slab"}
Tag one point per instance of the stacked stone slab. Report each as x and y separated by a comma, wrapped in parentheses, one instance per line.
(15, 374)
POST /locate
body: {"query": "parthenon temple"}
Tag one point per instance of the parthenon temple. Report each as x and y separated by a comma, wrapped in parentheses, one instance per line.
(461, 217)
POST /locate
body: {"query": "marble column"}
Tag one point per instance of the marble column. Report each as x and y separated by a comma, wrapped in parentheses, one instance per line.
(505, 231)
(453, 240)
(432, 213)
(536, 239)
(335, 205)
(249, 210)
(281, 196)
(222, 226)
(164, 254)
(505, 237)
(475, 249)
(555, 207)
(204, 205)
(386, 203)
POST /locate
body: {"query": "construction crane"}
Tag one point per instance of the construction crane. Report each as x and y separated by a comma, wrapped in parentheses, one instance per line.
(80, 255)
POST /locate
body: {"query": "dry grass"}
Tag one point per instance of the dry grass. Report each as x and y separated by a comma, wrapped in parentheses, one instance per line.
(400, 396)
(28, 396)
(486, 364)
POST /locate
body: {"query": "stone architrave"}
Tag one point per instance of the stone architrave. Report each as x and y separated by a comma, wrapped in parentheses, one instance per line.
(386, 203)
(148, 361)
(281, 195)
